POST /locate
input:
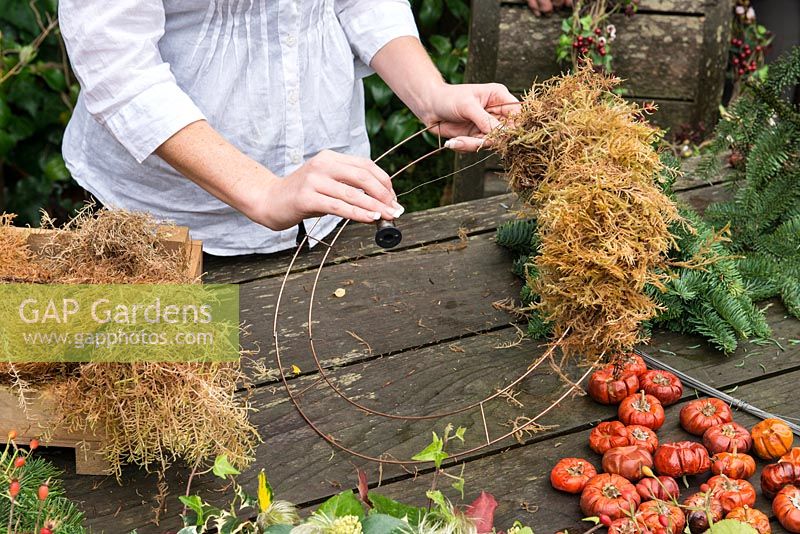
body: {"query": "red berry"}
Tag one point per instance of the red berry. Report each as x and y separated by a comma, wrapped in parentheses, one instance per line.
(736, 61)
(44, 491)
(590, 40)
(598, 31)
(34, 444)
(741, 71)
(19, 461)
(759, 48)
(605, 520)
(704, 487)
(45, 530)
(13, 489)
(664, 520)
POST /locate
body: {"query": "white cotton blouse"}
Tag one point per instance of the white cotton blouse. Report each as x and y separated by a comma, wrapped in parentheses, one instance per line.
(280, 79)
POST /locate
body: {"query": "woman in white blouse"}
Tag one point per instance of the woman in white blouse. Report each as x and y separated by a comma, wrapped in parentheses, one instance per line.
(259, 103)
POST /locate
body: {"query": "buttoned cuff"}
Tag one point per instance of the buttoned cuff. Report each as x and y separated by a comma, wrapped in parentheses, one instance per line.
(151, 118)
(373, 28)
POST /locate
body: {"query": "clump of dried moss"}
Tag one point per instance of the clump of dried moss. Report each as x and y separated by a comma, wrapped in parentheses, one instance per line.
(151, 413)
(583, 160)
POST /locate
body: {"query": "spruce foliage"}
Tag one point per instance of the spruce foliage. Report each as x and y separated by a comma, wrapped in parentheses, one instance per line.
(55, 511)
(762, 130)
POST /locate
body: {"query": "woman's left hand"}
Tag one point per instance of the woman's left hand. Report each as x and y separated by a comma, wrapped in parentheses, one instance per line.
(468, 112)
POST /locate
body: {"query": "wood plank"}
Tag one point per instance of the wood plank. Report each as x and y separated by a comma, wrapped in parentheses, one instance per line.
(685, 7)
(526, 51)
(713, 61)
(302, 467)
(358, 240)
(520, 475)
(392, 302)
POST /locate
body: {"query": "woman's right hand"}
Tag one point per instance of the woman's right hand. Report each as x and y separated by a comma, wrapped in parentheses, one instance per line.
(329, 183)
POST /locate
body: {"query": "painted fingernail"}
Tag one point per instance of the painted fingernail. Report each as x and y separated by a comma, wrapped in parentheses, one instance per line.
(452, 144)
(376, 215)
(398, 210)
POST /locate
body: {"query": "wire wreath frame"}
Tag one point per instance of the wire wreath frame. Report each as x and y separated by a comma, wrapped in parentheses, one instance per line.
(325, 378)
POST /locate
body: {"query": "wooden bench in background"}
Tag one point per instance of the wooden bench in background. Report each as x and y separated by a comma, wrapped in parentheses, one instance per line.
(672, 52)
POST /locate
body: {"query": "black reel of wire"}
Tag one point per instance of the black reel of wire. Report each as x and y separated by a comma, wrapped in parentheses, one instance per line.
(387, 235)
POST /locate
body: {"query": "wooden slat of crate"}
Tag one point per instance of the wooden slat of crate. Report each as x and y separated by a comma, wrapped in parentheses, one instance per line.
(37, 421)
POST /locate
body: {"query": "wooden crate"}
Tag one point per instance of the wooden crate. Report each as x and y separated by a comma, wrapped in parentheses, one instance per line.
(672, 52)
(37, 420)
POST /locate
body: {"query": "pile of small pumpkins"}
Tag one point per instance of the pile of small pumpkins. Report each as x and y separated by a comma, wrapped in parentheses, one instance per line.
(637, 492)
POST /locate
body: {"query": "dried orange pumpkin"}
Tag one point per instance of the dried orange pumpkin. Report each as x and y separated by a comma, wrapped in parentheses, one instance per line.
(772, 438)
(701, 414)
(732, 493)
(733, 465)
(755, 518)
(786, 508)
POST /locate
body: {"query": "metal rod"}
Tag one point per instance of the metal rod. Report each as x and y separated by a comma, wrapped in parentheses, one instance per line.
(714, 392)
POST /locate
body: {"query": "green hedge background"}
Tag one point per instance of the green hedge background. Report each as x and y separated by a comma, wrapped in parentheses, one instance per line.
(38, 93)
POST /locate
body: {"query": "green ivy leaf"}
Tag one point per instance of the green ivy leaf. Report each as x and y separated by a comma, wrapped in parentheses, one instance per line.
(345, 503)
(380, 92)
(459, 9)
(400, 125)
(222, 467)
(462, 41)
(195, 504)
(430, 12)
(448, 66)
(5, 113)
(374, 121)
(398, 510)
(441, 44)
(383, 524)
(55, 170)
(7, 143)
(433, 452)
(54, 78)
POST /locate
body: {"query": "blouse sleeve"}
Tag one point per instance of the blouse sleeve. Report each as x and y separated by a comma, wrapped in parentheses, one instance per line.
(371, 24)
(125, 84)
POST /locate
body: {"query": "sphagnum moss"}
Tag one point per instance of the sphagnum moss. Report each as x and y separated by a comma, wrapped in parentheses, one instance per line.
(583, 160)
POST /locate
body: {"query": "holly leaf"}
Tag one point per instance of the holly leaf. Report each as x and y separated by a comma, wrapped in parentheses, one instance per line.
(222, 467)
(345, 503)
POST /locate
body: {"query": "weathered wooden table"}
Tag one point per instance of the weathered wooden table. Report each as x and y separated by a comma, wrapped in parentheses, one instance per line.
(416, 332)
